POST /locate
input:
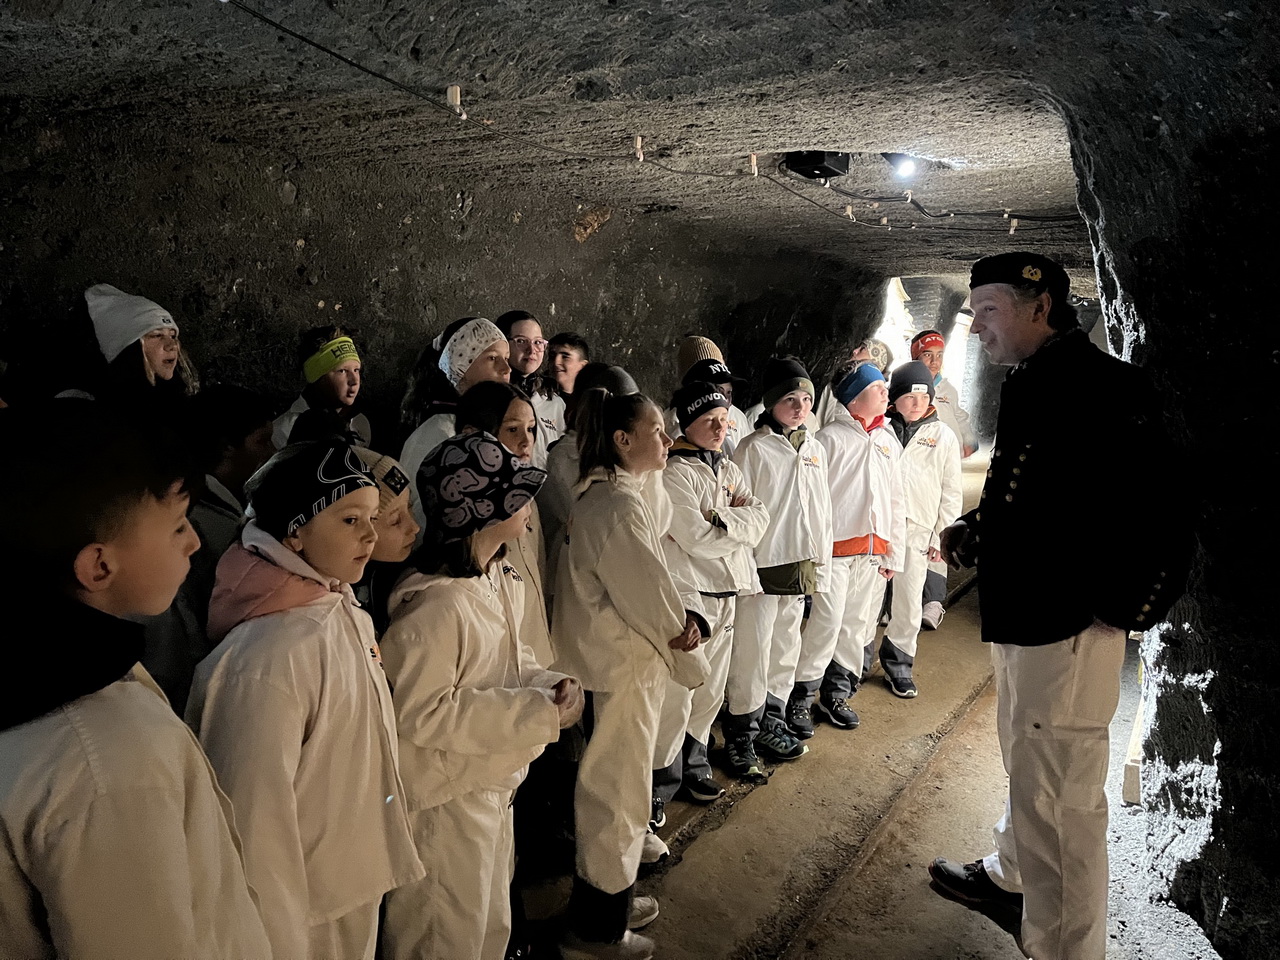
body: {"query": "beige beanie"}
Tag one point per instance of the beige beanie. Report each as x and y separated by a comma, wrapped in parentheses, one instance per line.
(392, 480)
(693, 349)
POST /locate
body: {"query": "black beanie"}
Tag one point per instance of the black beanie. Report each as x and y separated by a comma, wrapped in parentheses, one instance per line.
(781, 376)
(609, 376)
(913, 377)
(695, 399)
(300, 481)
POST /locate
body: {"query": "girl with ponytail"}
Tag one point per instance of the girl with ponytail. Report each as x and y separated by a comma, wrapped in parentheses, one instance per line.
(619, 624)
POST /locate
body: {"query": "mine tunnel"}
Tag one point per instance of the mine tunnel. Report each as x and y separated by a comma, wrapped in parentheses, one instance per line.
(637, 172)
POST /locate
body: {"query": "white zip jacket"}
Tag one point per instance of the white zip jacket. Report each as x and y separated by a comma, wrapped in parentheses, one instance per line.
(616, 605)
(793, 486)
(946, 400)
(551, 427)
(118, 843)
(865, 477)
(704, 557)
(931, 478)
(426, 437)
(295, 714)
(473, 706)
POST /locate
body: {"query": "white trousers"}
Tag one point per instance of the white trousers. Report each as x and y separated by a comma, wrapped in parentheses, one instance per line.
(766, 649)
(842, 623)
(1055, 705)
(611, 804)
(908, 591)
(462, 907)
(353, 936)
(693, 711)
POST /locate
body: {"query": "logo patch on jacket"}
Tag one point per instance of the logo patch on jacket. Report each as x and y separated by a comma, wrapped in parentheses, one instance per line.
(510, 571)
(883, 451)
(811, 461)
(929, 442)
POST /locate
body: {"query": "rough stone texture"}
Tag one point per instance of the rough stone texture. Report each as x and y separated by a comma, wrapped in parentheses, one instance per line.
(185, 149)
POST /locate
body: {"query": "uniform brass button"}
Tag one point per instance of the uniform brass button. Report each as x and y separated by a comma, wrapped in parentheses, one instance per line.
(1022, 456)
(1008, 498)
(996, 454)
(977, 516)
(1157, 586)
(1146, 608)
(990, 474)
(1141, 618)
(1017, 471)
(1013, 484)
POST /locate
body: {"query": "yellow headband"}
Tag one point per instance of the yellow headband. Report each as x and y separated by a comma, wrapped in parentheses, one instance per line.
(329, 357)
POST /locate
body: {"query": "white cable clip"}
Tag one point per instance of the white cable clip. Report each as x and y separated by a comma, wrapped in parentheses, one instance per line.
(848, 210)
(1013, 225)
(908, 193)
(755, 171)
(453, 97)
(640, 149)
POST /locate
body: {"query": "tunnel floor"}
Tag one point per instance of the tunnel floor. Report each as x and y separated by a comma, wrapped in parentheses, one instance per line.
(828, 858)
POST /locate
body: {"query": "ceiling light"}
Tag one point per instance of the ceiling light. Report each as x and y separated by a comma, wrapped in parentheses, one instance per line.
(904, 165)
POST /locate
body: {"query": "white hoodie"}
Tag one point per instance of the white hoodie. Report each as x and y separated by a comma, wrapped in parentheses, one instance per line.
(473, 706)
(865, 477)
(616, 605)
(793, 486)
(706, 558)
(294, 712)
(931, 477)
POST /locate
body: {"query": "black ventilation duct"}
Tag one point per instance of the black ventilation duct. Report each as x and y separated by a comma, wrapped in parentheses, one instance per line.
(817, 164)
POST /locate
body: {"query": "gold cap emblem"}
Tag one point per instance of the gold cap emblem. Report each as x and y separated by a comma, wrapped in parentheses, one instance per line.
(1032, 273)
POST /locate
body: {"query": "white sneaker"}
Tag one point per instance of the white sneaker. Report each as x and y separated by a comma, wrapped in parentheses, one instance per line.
(931, 616)
(654, 849)
(644, 910)
(632, 946)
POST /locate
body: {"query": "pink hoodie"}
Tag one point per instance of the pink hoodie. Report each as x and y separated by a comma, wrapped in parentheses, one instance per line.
(248, 585)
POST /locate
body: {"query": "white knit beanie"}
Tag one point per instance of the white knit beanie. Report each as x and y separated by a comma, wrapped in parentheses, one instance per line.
(120, 318)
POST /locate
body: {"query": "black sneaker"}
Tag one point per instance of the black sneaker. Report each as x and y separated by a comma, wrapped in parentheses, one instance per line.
(903, 687)
(969, 883)
(838, 712)
(800, 718)
(776, 741)
(703, 790)
(743, 761)
(658, 815)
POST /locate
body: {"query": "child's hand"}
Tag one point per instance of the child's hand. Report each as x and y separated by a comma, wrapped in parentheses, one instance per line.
(885, 572)
(738, 500)
(689, 639)
(935, 555)
(569, 701)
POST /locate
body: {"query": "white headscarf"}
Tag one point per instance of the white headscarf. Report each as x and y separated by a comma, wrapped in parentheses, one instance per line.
(120, 318)
(468, 342)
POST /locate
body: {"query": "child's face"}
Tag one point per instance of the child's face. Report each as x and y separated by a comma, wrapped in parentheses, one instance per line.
(872, 402)
(243, 461)
(516, 432)
(644, 447)
(143, 566)
(565, 363)
(338, 541)
(709, 430)
(396, 531)
(912, 406)
(932, 358)
(793, 409)
(160, 347)
(342, 383)
(493, 364)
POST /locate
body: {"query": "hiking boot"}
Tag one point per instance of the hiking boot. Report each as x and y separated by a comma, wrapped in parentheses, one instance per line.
(903, 687)
(644, 910)
(970, 884)
(777, 742)
(658, 816)
(743, 761)
(837, 712)
(654, 850)
(632, 946)
(931, 616)
(703, 790)
(800, 717)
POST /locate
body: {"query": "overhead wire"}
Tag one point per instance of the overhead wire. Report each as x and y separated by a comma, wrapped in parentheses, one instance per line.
(489, 128)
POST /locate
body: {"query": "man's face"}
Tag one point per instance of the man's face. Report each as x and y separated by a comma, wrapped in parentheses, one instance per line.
(528, 347)
(1010, 328)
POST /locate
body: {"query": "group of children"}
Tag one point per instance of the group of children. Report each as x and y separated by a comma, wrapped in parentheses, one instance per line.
(371, 653)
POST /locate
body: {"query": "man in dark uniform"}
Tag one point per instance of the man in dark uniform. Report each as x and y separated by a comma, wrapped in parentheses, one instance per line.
(1075, 544)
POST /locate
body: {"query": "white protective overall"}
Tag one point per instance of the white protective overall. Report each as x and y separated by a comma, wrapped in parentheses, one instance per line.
(1054, 709)
(842, 623)
(694, 711)
(766, 650)
(908, 590)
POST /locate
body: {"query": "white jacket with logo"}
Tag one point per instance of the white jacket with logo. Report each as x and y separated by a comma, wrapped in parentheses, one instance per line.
(793, 486)
(473, 706)
(616, 604)
(946, 400)
(551, 426)
(118, 843)
(704, 557)
(931, 482)
(865, 476)
(295, 714)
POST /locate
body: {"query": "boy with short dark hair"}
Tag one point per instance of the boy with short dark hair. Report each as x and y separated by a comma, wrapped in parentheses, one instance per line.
(120, 843)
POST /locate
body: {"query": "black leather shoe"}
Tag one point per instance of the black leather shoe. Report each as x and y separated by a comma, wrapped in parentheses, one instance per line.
(969, 884)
